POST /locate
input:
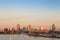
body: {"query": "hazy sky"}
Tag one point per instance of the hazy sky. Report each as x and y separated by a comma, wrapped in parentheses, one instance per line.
(34, 12)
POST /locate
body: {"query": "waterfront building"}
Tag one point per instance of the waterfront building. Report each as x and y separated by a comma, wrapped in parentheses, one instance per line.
(42, 29)
(30, 27)
(39, 28)
(5, 30)
(13, 30)
(53, 27)
(18, 28)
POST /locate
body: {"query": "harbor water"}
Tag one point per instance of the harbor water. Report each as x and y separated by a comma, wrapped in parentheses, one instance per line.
(24, 37)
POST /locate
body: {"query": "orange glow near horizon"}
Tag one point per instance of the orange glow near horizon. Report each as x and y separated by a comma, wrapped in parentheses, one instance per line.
(10, 28)
(42, 28)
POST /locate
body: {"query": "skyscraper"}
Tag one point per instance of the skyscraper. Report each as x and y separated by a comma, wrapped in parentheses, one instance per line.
(18, 27)
(39, 28)
(53, 27)
(30, 28)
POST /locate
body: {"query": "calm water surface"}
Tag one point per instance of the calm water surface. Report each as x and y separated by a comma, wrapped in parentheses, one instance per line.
(24, 37)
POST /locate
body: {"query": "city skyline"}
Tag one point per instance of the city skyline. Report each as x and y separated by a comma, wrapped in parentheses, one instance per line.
(29, 12)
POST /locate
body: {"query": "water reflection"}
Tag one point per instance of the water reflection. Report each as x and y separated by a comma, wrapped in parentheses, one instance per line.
(10, 37)
(24, 37)
(4, 37)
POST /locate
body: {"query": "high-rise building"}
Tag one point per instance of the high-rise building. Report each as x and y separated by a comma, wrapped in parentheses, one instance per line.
(30, 27)
(39, 28)
(53, 27)
(42, 29)
(13, 30)
(24, 29)
(5, 30)
(18, 27)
